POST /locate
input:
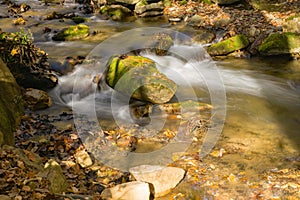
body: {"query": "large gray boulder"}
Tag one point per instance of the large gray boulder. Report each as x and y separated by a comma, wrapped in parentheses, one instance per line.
(11, 105)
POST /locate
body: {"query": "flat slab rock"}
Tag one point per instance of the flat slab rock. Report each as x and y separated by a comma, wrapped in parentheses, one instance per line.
(132, 191)
(163, 179)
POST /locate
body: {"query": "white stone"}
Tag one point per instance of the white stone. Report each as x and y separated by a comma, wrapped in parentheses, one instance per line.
(135, 190)
(83, 158)
(163, 179)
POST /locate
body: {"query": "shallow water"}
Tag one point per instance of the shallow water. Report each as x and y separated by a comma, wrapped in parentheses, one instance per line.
(262, 103)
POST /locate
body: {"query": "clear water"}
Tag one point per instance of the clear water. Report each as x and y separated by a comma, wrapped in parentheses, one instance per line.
(262, 95)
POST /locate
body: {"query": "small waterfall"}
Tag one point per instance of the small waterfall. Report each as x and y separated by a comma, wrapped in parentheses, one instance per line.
(197, 72)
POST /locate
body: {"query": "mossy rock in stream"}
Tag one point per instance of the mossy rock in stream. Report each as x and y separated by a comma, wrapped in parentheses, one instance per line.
(116, 12)
(76, 32)
(138, 77)
(162, 43)
(11, 105)
(228, 46)
(280, 44)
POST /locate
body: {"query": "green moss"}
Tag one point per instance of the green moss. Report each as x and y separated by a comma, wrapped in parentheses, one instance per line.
(209, 2)
(167, 3)
(276, 44)
(229, 45)
(115, 12)
(138, 77)
(72, 33)
(183, 2)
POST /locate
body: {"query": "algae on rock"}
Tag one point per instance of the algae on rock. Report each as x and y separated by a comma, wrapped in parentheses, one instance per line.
(139, 78)
(280, 44)
(228, 46)
(76, 32)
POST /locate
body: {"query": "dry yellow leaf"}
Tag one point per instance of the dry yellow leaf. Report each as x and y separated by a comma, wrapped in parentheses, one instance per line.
(14, 52)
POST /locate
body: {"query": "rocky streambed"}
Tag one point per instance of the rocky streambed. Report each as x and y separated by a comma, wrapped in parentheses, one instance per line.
(257, 154)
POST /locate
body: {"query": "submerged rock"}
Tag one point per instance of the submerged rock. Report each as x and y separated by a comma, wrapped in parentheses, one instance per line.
(139, 78)
(163, 179)
(36, 99)
(11, 105)
(132, 190)
(229, 45)
(72, 33)
(279, 44)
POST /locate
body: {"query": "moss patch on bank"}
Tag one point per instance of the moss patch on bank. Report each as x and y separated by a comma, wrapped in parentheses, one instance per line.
(228, 46)
(279, 44)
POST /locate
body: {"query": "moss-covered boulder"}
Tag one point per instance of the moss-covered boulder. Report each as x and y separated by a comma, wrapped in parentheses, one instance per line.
(280, 44)
(115, 12)
(229, 45)
(76, 32)
(139, 78)
(11, 106)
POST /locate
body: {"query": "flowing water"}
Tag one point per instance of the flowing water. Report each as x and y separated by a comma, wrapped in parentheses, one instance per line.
(262, 101)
